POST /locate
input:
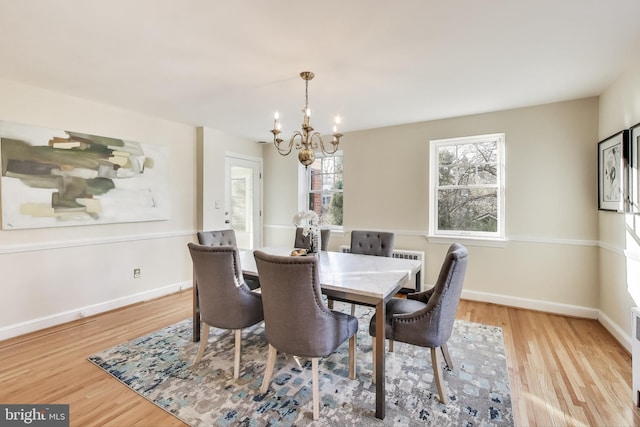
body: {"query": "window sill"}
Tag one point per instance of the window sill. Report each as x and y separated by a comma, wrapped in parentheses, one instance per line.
(470, 241)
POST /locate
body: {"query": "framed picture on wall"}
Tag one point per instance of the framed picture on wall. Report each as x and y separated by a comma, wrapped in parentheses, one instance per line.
(634, 163)
(613, 181)
(56, 178)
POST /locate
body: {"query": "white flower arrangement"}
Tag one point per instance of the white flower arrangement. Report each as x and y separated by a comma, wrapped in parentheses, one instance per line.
(308, 220)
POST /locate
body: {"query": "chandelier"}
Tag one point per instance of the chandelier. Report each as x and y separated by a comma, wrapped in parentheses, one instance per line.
(306, 140)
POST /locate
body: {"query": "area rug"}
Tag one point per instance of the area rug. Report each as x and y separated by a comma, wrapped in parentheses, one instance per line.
(158, 367)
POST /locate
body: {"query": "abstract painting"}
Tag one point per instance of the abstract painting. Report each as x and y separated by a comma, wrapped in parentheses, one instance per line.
(53, 178)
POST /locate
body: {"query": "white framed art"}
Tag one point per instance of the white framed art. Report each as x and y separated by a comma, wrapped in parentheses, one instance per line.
(53, 178)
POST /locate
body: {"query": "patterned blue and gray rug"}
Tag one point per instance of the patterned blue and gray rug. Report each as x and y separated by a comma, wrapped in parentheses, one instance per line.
(158, 367)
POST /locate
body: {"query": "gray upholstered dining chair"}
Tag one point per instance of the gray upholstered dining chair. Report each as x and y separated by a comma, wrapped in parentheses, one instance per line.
(305, 327)
(426, 318)
(376, 243)
(225, 238)
(304, 242)
(217, 237)
(225, 300)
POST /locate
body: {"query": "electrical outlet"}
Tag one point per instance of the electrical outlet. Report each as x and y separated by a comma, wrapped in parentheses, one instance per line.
(136, 273)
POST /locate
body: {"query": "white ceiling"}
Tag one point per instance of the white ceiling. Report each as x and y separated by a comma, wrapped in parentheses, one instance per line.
(229, 65)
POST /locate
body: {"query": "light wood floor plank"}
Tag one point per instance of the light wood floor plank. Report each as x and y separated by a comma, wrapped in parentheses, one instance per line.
(563, 371)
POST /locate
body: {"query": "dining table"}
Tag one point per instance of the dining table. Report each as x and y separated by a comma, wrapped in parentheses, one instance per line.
(358, 279)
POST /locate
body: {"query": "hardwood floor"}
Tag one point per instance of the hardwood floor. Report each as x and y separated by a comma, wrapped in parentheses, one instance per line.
(564, 371)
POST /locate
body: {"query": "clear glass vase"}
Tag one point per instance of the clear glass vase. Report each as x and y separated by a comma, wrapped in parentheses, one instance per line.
(315, 245)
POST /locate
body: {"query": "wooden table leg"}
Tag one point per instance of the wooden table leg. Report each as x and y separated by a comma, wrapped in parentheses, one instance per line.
(380, 361)
(419, 281)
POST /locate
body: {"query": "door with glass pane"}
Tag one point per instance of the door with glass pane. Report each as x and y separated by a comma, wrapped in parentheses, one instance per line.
(243, 210)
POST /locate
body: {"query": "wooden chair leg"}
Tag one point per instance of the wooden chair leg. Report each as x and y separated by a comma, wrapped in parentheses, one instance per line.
(236, 357)
(353, 309)
(271, 361)
(330, 304)
(373, 350)
(437, 374)
(390, 346)
(352, 357)
(204, 337)
(316, 388)
(447, 357)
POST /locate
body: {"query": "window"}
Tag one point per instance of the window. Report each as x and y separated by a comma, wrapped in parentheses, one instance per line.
(467, 187)
(324, 188)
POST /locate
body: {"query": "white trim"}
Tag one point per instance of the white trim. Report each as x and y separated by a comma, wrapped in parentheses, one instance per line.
(28, 326)
(304, 182)
(256, 164)
(434, 185)
(468, 240)
(551, 307)
(631, 254)
(618, 333)
(243, 157)
(472, 241)
(553, 240)
(611, 248)
(531, 304)
(62, 244)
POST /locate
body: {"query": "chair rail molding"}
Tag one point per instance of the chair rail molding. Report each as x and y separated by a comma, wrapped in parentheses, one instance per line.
(63, 244)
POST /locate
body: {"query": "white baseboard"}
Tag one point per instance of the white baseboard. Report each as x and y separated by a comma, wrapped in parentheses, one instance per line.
(28, 326)
(552, 307)
(531, 304)
(79, 313)
(618, 333)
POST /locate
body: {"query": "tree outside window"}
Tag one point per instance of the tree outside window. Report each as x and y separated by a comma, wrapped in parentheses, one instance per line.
(325, 188)
(467, 186)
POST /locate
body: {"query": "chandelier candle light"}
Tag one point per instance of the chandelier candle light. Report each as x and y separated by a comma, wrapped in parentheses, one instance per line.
(307, 140)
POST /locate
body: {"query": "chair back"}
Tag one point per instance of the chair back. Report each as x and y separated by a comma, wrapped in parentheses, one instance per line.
(225, 300)
(296, 319)
(217, 238)
(443, 303)
(304, 242)
(376, 243)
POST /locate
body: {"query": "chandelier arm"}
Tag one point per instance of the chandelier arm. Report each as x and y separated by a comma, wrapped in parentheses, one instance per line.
(283, 151)
(319, 142)
(299, 143)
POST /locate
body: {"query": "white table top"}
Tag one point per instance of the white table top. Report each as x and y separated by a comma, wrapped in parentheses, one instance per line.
(360, 278)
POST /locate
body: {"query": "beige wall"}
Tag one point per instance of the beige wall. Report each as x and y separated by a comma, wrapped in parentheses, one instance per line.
(213, 146)
(280, 196)
(619, 253)
(57, 274)
(562, 254)
(550, 260)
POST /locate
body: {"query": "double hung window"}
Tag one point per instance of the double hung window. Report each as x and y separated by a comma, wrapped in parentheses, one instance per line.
(324, 188)
(467, 187)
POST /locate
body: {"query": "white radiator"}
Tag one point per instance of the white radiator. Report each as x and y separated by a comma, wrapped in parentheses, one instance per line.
(402, 254)
(635, 354)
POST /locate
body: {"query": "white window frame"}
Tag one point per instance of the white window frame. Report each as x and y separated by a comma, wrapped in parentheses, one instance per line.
(304, 186)
(499, 234)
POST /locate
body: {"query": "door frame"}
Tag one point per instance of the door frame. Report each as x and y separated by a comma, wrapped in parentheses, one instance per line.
(256, 163)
